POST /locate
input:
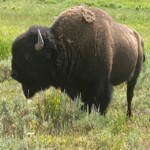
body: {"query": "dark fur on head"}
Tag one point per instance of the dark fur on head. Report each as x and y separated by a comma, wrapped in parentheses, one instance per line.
(34, 62)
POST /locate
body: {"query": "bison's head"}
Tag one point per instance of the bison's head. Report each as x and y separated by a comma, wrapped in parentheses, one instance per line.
(33, 60)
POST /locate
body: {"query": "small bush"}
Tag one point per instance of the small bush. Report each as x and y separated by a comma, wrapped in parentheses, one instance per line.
(5, 70)
(55, 111)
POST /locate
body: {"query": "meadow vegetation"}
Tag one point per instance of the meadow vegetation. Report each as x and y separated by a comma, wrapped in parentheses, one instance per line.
(51, 120)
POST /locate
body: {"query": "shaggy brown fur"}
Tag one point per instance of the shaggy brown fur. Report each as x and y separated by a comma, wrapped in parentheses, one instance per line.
(85, 53)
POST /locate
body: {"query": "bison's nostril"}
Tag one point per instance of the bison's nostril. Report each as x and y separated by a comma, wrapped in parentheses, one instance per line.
(13, 74)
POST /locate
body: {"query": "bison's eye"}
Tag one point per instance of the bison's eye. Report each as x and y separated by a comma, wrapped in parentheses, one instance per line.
(27, 56)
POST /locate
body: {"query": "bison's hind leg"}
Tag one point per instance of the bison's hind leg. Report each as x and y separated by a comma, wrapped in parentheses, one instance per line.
(130, 87)
(130, 93)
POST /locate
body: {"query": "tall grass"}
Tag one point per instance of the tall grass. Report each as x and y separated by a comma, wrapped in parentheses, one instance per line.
(51, 120)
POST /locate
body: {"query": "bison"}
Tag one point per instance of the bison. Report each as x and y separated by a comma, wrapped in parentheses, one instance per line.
(85, 52)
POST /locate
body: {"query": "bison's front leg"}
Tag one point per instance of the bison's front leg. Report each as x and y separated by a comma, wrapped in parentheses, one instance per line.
(98, 95)
(105, 98)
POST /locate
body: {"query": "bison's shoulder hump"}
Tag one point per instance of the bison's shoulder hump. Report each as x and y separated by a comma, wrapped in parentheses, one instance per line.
(78, 13)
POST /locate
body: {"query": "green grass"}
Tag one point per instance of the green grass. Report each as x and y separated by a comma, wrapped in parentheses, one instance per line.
(17, 16)
(51, 120)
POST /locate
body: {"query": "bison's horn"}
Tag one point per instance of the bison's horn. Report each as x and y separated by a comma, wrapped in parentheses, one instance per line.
(40, 44)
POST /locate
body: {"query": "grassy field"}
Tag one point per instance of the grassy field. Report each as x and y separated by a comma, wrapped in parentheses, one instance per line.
(51, 120)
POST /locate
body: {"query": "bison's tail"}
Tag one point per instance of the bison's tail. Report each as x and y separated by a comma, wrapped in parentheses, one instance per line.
(142, 43)
(144, 58)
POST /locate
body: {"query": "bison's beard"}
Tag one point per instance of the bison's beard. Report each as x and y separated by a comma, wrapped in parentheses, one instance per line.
(30, 90)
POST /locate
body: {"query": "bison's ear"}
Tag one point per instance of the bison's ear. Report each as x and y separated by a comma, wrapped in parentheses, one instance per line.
(40, 44)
